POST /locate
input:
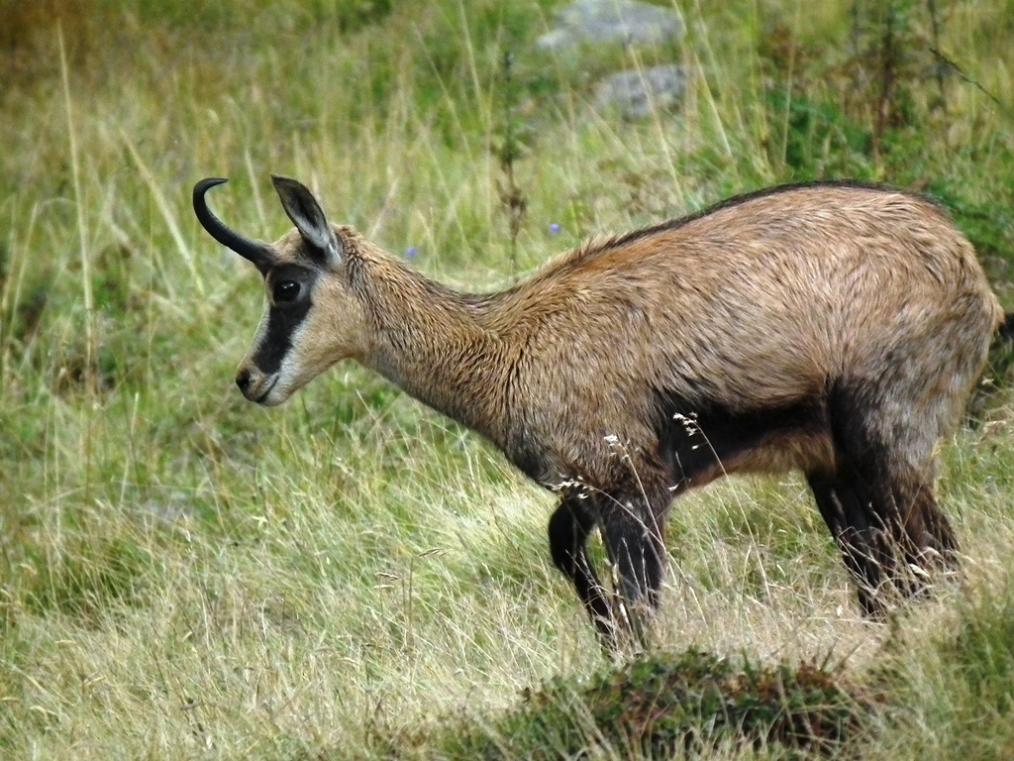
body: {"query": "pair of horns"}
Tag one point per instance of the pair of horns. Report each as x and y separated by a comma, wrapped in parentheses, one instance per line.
(299, 204)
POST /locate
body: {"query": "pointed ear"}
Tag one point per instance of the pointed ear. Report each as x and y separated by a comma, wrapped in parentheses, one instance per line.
(309, 219)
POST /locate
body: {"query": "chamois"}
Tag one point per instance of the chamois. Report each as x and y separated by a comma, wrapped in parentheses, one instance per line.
(836, 328)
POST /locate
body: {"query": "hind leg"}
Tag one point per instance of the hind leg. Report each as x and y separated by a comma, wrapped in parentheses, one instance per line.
(880, 506)
(913, 530)
(918, 534)
(891, 532)
(845, 509)
(926, 533)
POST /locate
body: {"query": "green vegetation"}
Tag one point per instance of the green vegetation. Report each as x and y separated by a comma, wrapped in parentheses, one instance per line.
(664, 705)
(184, 575)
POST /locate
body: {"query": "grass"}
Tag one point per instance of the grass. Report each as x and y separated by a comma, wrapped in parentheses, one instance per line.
(184, 575)
(661, 706)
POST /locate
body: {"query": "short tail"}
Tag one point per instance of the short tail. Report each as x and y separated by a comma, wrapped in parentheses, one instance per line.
(1006, 331)
(999, 370)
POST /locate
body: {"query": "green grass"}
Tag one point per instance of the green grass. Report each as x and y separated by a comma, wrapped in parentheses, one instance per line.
(661, 706)
(185, 575)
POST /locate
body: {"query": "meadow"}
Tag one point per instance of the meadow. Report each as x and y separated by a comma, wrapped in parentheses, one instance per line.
(186, 575)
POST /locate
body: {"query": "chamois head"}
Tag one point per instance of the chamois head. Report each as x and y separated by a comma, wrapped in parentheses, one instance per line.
(311, 320)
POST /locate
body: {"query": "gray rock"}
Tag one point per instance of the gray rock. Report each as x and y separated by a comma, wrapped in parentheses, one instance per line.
(612, 21)
(636, 93)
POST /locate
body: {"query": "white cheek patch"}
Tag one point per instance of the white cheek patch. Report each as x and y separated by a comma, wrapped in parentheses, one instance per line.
(290, 374)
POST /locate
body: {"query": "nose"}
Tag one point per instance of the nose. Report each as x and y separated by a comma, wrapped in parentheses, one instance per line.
(254, 384)
(243, 380)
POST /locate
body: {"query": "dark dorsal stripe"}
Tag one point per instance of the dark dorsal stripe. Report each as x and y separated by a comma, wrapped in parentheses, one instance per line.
(673, 224)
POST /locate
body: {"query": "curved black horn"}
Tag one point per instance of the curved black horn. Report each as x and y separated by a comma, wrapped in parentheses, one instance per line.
(261, 254)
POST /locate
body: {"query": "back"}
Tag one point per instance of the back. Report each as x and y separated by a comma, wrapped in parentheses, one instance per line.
(764, 297)
(761, 303)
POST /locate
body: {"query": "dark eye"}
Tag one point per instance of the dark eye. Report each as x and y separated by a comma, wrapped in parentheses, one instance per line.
(286, 290)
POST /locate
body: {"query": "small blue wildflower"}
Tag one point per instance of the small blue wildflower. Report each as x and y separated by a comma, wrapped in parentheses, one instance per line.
(554, 228)
(411, 252)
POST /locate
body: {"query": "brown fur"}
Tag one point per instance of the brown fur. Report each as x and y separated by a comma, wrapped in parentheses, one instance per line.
(829, 328)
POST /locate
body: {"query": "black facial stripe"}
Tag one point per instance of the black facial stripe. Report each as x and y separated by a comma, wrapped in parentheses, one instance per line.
(284, 319)
(282, 323)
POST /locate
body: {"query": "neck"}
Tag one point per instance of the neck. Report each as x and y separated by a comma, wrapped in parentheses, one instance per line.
(436, 344)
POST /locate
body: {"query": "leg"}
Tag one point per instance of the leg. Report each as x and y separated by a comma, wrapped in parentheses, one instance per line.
(883, 491)
(920, 535)
(844, 509)
(634, 541)
(889, 528)
(928, 538)
(568, 531)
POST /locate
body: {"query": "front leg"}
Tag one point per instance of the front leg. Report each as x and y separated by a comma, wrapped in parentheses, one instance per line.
(568, 534)
(635, 542)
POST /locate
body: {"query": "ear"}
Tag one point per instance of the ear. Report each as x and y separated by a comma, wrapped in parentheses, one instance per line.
(309, 219)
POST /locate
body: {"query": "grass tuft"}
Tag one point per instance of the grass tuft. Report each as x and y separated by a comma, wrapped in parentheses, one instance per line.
(663, 705)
